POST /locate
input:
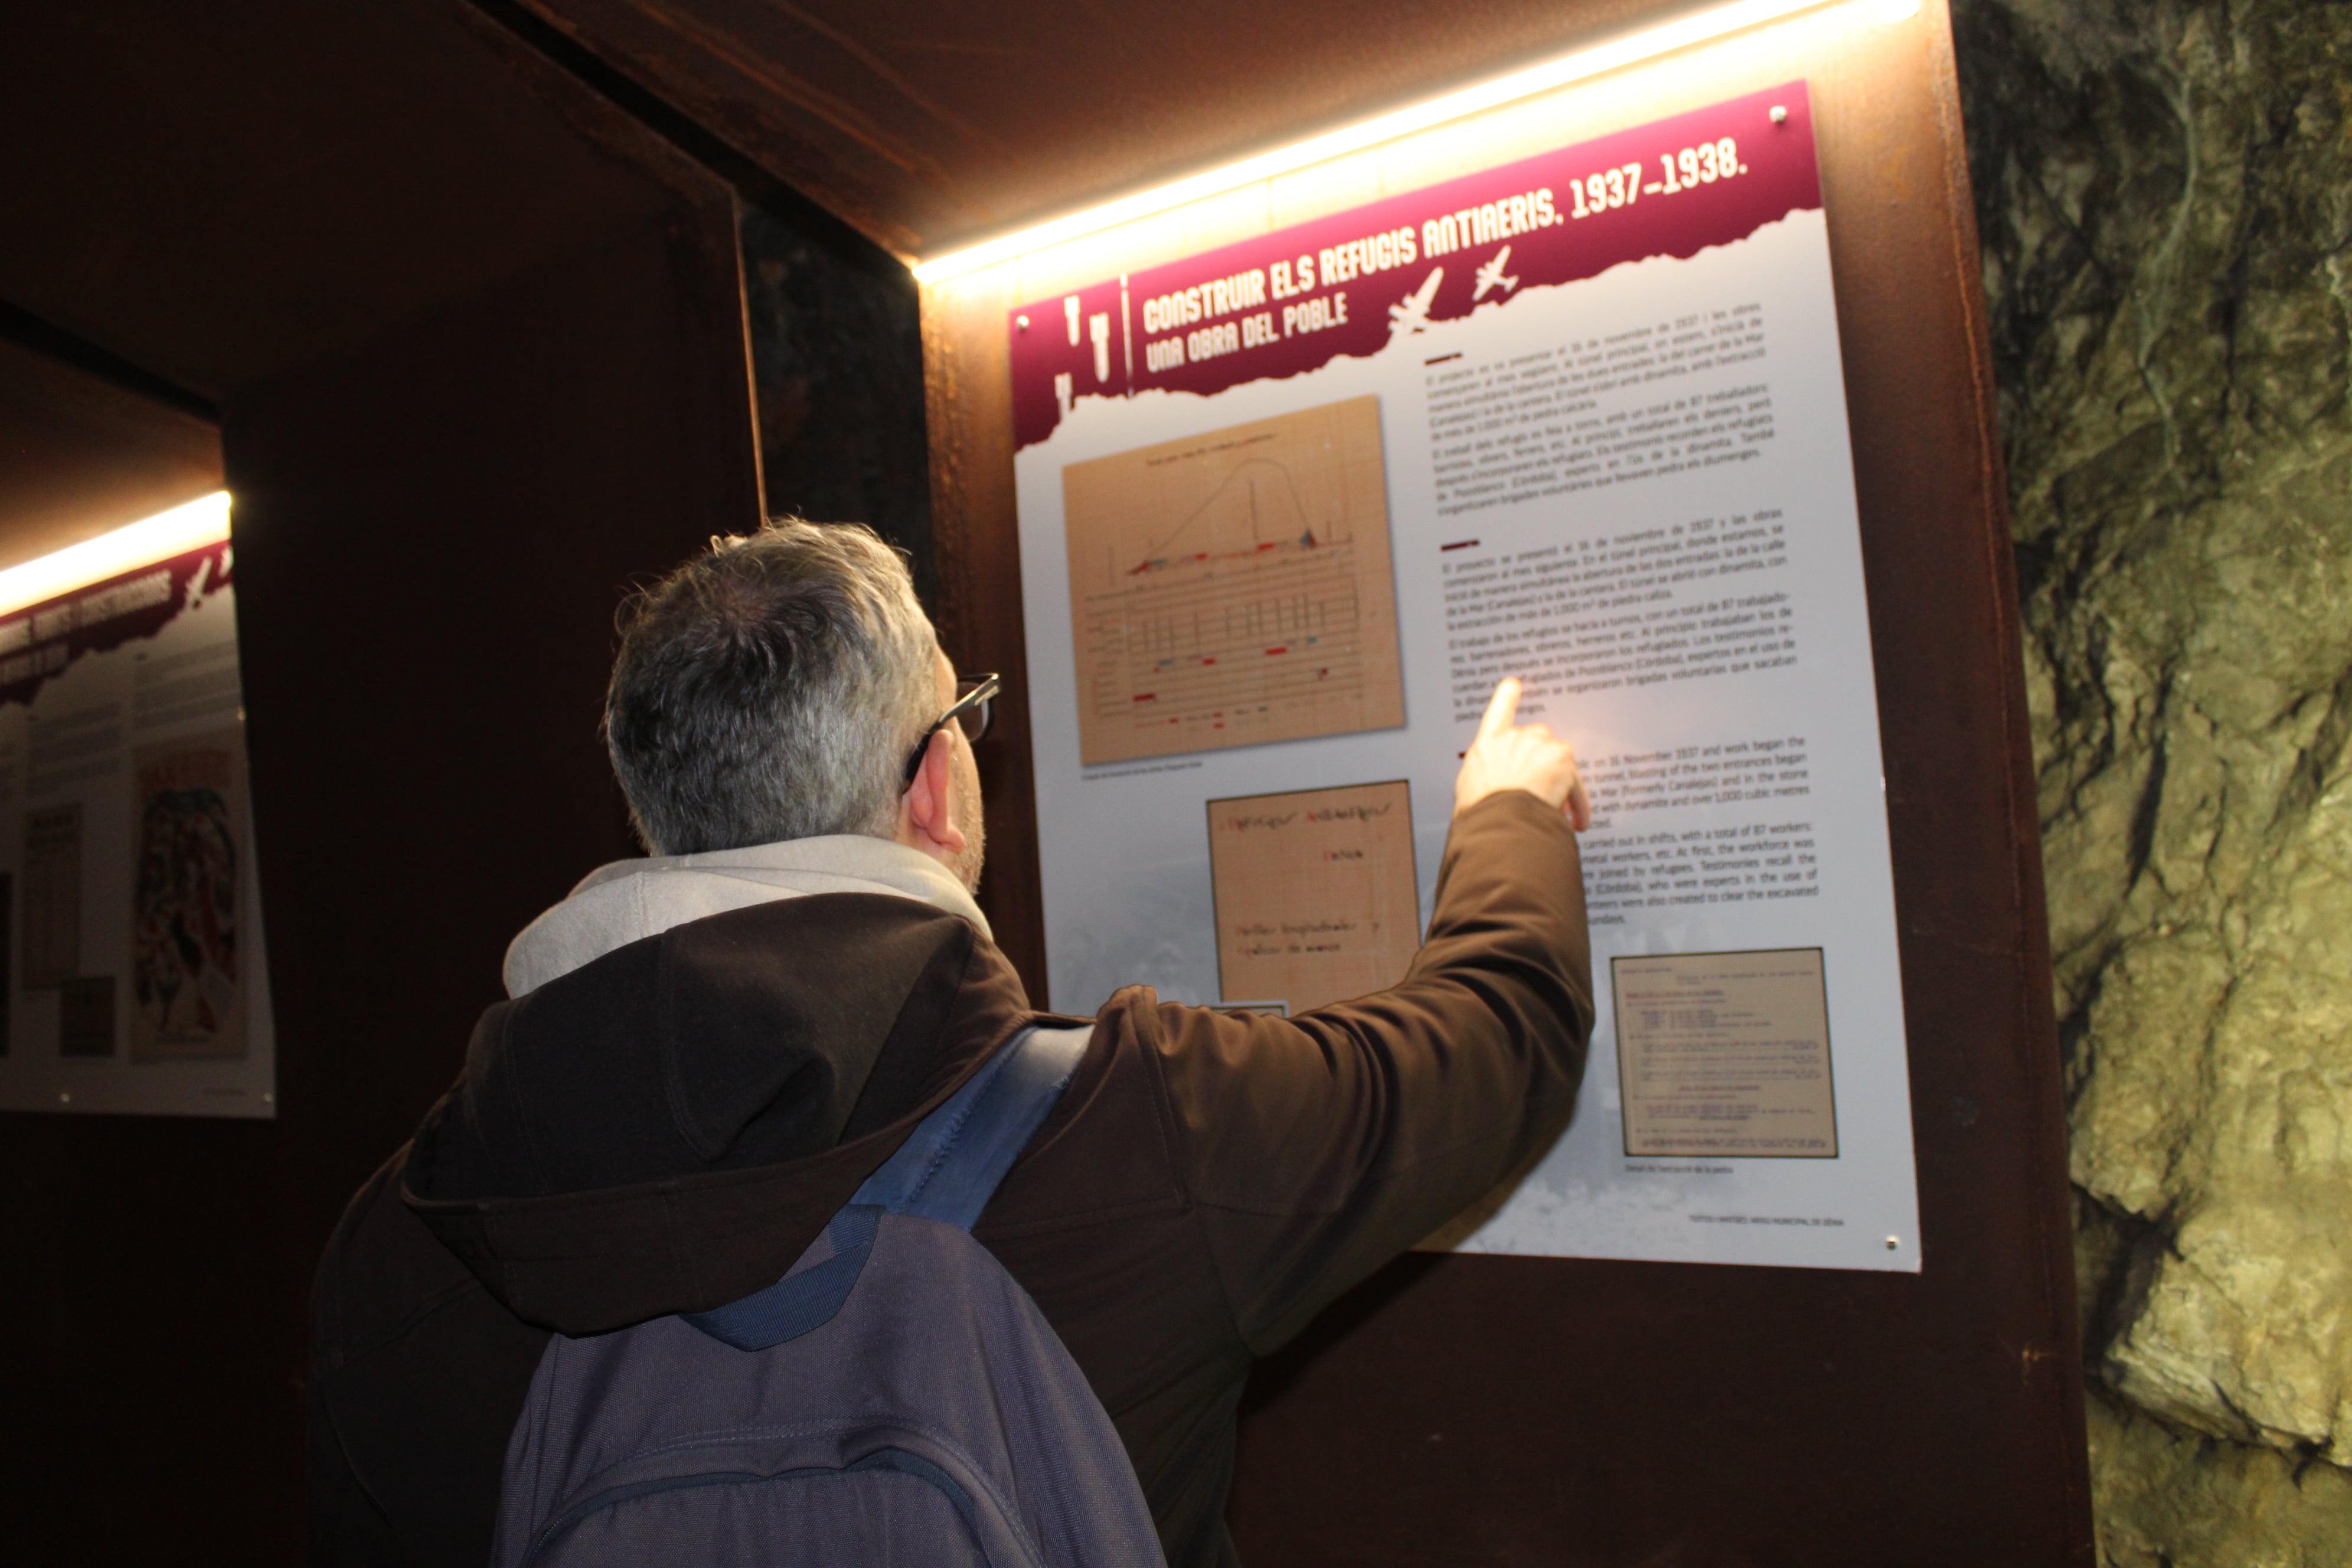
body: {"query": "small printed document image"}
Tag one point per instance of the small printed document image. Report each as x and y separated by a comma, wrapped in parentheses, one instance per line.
(1234, 587)
(186, 999)
(1315, 897)
(52, 894)
(1725, 1053)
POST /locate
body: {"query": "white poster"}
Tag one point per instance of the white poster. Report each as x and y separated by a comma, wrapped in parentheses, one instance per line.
(1288, 510)
(136, 980)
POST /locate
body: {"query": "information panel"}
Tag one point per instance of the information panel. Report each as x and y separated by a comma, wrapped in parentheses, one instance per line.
(1289, 509)
(138, 983)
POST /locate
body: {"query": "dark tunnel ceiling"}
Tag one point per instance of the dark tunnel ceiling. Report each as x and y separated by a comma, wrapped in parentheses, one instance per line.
(225, 193)
(932, 125)
(221, 192)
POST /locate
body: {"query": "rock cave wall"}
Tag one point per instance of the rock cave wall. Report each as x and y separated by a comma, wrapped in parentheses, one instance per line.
(2164, 193)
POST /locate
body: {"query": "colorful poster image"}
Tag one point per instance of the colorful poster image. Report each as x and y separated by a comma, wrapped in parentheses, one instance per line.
(186, 907)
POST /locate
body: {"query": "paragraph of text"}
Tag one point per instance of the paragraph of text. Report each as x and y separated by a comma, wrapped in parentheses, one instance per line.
(1631, 609)
(1752, 862)
(1598, 412)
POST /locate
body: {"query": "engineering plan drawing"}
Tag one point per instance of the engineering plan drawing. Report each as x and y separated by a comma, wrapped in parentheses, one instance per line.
(1289, 509)
(1233, 587)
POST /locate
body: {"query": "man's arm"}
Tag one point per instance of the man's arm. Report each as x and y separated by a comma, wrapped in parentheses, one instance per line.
(1318, 1148)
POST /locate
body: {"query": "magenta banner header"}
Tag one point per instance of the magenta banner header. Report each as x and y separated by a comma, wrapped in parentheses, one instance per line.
(1345, 284)
(39, 642)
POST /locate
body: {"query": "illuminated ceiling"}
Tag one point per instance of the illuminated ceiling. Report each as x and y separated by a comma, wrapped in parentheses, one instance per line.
(930, 126)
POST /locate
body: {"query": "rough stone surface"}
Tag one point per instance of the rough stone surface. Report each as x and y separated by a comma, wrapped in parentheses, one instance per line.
(2164, 197)
(2167, 1499)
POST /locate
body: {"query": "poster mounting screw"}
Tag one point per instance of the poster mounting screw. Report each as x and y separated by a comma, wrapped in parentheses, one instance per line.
(1021, 322)
(1780, 114)
(1894, 1243)
(64, 1097)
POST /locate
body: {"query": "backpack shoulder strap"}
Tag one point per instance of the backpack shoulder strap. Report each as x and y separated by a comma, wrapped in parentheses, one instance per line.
(953, 1161)
(947, 1170)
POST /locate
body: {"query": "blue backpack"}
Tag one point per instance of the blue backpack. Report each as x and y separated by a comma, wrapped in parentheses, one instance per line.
(895, 1398)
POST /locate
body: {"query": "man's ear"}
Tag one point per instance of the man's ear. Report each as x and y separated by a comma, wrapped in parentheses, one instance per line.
(928, 810)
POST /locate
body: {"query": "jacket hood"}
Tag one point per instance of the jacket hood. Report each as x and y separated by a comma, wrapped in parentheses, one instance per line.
(667, 1126)
(629, 899)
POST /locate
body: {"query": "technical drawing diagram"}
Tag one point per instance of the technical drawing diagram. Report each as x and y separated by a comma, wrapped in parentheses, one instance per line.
(1234, 587)
(1490, 276)
(1411, 314)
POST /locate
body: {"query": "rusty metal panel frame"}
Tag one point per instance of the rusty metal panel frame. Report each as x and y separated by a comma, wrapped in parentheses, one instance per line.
(1483, 1409)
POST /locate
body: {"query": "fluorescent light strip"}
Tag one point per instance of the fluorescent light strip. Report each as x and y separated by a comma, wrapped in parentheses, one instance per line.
(159, 538)
(1625, 51)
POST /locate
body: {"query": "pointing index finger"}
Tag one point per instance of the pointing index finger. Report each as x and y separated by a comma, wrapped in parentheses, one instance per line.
(1502, 710)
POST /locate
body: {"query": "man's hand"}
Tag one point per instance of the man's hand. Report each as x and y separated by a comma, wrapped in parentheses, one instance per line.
(1521, 756)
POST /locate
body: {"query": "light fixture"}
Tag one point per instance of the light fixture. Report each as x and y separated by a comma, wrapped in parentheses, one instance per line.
(159, 538)
(1625, 51)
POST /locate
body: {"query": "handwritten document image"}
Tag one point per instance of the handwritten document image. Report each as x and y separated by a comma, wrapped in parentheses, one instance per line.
(1315, 896)
(1725, 1053)
(1234, 587)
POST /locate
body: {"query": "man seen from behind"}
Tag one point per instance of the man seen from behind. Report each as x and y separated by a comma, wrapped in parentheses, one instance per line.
(705, 1052)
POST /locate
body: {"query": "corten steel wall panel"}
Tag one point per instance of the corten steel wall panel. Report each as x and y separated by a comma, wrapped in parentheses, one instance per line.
(83, 456)
(431, 539)
(1504, 1410)
(150, 1357)
(431, 543)
(933, 126)
(968, 400)
(223, 194)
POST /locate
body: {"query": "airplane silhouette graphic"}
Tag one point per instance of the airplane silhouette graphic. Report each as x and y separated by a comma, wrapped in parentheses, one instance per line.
(1411, 314)
(1491, 276)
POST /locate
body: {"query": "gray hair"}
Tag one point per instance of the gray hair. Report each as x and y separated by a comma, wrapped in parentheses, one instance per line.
(771, 687)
